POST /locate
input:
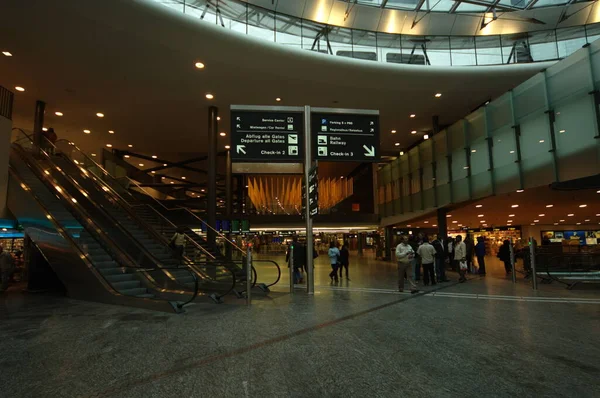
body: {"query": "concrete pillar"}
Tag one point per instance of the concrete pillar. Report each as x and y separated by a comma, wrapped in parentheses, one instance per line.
(211, 189)
(38, 122)
(6, 104)
(442, 222)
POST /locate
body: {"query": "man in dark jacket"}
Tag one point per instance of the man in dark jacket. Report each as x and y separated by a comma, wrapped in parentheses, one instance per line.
(299, 259)
(440, 259)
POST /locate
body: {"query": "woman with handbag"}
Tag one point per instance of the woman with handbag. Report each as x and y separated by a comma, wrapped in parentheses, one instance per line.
(334, 258)
(460, 255)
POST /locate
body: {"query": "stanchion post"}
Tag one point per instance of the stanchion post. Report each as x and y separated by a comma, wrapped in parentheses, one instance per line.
(249, 275)
(512, 262)
(532, 262)
(291, 262)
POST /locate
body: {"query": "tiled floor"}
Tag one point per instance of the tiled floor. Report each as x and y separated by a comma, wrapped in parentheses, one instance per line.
(360, 338)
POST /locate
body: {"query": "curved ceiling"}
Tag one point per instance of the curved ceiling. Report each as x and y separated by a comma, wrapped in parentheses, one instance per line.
(134, 62)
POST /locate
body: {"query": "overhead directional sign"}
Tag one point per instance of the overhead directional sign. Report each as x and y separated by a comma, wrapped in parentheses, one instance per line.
(266, 134)
(313, 195)
(345, 135)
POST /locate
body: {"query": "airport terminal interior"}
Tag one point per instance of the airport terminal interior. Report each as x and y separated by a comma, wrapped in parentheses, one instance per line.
(299, 198)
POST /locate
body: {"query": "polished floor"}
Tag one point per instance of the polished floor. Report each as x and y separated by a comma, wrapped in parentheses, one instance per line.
(360, 338)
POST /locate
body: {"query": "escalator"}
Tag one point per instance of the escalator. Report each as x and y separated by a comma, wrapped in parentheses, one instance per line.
(152, 217)
(95, 258)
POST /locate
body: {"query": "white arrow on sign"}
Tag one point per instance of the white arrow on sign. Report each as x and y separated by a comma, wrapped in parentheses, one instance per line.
(240, 148)
(370, 151)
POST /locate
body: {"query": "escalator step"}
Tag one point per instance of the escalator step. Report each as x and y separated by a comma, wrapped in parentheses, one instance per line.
(134, 292)
(119, 277)
(105, 264)
(147, 295)
(125, 285)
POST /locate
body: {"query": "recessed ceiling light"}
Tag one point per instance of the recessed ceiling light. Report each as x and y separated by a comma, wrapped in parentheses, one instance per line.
(512, 151)
(426, 137)
(19, 88)
(454, 222)
(536, 220)
(100, 114)
(542, 141)
(509, 221)
(218, 117)
(401, 153)
(393, 131)
(541, 215)
(570, 215)
(482, 221)
(162, 178)
(109, 145)
(183, 178)
(434, 225)
(511, 215)
(227, 147)
(578, 223)
(223, 134)
(209, 96)
(58, 113)
(93, 154)
(87, 131)
(414, 132)
(561, 220)
(164, 164)
(397, 144)
(479, 206)
(598, 215)
(448, 215)
(7, 53)
(44, 129)
(412, 115)
(141, 164)
(130, 146)
(172, 182)
(520, 190)
(425, 222)
(153, 171)
(549, 206)
(555, 223)
(154, 156)
(473, 150)
(342, 177)
(199, 65)
(438, 95)
(126, 156)
(204, 190)
(587, 220)
(466, 167)
(561, 131)
(513, 206)
(532, 224)
(111, 132)
(480, 215)
(277, 99)
(582, 205)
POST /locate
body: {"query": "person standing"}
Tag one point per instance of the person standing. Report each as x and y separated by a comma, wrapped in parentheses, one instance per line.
(334, 258)
(7, 265)
(416, 261)
(470, 245)
(480, 253)
(450, 252)
(504, 256)
(177, 242)
(299, 257)
(427, 254)
(404, 256)
(460, 256)
(440, 259)
(344, 260)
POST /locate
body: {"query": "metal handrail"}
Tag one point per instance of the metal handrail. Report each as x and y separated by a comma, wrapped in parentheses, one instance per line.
(276, 265)
(196, 286)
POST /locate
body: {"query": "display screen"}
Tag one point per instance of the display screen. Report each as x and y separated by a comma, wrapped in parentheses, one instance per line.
(576, 237)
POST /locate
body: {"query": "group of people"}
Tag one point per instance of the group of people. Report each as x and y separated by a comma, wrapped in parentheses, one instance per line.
(339, 258)
(416, 252)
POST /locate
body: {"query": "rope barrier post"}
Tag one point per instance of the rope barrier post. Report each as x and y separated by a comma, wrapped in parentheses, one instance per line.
(512, 262)
(532, 261)
(249, 275)
(291, 262)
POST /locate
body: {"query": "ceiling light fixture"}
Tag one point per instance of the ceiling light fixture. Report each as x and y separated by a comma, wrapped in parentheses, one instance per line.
(536, 220)
(479, 206)
(111, 132)
(414, 132)
(549, 206)
(561, 220)
(570, 215)
(562, 131)
(6, 53)
(183, 178)
(141, 164)
(514, 206)
(126, 156)
(473, 150)
(58, 113)
(227, 147)
(438, 95)
(512, 152)
(223, 134)
(93, 154)
(44, 129)
(164, 164)
(153, 171)
(582, 206)
(199, 65)
(542, 141)
(509, 221)
(480, 215)
(154, 156)
(401, 153)
(511, 215)
(578, 223)
(277, 99)
(130, 146)
(426, 137)
(19, 88)
(87, 131)
(587, 220)
(100, 114)
(541, 215)
(218, 118)
(209, 96)
(109, 145)
(412, 115)
(454, 222)
(520, 190)
(397, 144)
(393, 131)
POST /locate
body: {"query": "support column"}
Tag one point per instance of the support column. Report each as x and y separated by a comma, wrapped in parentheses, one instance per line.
(360, 243)
(442, 222)
(38, 122)
(389, 244)
(6, 104)
(211, 189)
(228, 200)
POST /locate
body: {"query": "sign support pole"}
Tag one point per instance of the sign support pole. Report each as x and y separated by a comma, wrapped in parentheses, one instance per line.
(291, 265)
(310, 275)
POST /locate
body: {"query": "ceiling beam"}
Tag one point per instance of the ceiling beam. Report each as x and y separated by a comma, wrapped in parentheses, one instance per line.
(531, 4)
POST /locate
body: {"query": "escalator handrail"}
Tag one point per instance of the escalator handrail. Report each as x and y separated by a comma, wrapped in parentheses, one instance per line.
(194, 276)
(138, 186)
(276, 265)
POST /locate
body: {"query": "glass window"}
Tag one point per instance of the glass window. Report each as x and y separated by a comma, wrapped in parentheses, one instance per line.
(476, 124)
(261, 23)
(530, 96)
(536, 158)
(364, 45)
(515, 49)
(456, 135)
(413, 50)
(499, 112)
(438, 50)
(389, 48)
(314, 37)
(489, 50)
(341, 41)
(234, 17)
(543, 45)
(288, 31)
(504, 155)
(570, 40)
(463, 50)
